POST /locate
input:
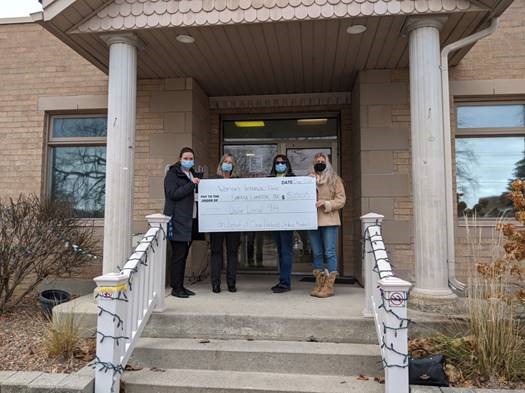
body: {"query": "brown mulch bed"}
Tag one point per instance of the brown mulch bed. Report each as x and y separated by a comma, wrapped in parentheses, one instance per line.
(22, 333)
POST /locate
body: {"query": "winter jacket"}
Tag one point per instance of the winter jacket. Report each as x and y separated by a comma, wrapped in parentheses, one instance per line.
(179, 198)
(335, 198)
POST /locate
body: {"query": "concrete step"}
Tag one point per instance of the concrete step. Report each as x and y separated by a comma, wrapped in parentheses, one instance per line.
(173, 324)
(207, 381)
(262, 356)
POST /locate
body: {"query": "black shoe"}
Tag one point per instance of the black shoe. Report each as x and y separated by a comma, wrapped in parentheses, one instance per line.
(190, 293)
(216, 288)
(232, 288)
(280, 289)
(179, 293)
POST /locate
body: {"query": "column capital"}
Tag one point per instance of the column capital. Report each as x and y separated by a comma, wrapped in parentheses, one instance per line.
(417, 22)
(122, 38)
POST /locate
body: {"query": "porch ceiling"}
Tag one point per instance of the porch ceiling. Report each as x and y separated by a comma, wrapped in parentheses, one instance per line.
(296, 56)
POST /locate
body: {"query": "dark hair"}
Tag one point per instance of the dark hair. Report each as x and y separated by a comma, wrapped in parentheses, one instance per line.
(283, 157)
(186, 150)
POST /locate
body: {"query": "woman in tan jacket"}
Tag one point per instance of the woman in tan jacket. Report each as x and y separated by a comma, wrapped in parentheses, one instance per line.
(330, 199)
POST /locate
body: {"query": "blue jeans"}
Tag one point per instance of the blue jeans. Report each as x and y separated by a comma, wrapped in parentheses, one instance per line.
(323, 242)
(284, 241)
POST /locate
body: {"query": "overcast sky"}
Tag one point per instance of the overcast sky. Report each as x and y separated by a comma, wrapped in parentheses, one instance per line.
(15, 8)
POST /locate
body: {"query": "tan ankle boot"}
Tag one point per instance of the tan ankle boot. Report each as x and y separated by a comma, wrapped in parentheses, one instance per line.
(328, 288)
(319, 280)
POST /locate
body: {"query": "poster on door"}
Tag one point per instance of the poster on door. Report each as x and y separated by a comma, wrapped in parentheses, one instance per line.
(302, 158)
(263, 204)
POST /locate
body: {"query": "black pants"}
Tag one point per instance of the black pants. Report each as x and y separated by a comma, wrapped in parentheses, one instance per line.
(255, 247)
(232, 246)
(179, 254)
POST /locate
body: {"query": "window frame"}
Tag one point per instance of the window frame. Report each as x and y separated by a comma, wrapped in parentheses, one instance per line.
(482, 133)
(52, 142)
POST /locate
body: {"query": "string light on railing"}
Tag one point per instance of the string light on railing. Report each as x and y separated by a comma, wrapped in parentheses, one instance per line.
(378, 246)
(116, 338)
(120, 322)
(119, 293)
(107, 366)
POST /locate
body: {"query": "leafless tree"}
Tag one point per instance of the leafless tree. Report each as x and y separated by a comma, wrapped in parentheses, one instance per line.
(39, 239)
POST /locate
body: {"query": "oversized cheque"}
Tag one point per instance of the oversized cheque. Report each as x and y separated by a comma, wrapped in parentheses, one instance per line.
(257, 204)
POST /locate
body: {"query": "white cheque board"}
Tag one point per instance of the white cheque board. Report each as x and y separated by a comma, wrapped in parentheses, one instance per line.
(257, 204)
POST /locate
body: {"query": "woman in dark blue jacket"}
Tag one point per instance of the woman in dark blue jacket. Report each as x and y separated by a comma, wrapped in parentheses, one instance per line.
(281, 167)
(180, 185)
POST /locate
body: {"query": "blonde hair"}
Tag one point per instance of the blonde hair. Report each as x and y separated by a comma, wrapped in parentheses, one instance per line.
(329, 175)
(219, 167)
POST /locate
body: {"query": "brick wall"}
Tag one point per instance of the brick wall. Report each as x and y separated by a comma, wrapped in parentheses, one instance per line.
(493, 69)
(384, 129)
(501, 55)
(174, 113)
(171, 114)
(34, 64)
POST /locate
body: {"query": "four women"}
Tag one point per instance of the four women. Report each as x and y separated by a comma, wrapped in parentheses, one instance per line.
(180, 186)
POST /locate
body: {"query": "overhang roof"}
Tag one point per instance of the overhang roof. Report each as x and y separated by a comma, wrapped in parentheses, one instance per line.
(261, 46)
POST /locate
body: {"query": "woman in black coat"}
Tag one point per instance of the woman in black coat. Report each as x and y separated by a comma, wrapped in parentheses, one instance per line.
(180, 185)
(225, 170)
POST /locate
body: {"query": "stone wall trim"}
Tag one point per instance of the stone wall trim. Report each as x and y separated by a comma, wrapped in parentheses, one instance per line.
(60, 103)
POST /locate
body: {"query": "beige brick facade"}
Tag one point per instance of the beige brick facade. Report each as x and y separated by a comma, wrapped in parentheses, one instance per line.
(34, 64)
(41, 76)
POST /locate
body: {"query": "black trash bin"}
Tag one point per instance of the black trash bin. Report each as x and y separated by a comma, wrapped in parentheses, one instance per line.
(52, 297)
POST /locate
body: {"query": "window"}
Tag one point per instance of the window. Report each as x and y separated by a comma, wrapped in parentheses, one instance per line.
(265, 128)
(490, 153)
(77, 163)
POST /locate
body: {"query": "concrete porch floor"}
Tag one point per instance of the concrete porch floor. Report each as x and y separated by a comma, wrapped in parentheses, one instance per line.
(254, 297)
(255, 312)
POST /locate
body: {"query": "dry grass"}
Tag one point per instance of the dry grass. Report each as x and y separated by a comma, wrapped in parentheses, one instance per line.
(487, 348)
(22, 334)
(63, 336)
(496, 333)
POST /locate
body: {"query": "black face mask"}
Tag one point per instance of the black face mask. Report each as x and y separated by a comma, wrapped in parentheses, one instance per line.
(319, 167)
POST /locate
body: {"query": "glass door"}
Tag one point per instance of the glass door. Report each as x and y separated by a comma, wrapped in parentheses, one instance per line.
(254, 141)
(257, 250)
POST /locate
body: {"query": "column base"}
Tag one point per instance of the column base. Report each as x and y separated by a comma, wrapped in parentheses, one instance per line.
(440, 301)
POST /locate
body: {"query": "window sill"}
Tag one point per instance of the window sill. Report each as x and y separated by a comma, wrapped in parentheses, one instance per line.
(88, 222)
(487, 222)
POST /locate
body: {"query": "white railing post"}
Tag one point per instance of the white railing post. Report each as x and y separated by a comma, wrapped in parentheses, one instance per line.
(368, 263)
(394, 293)
(111, 338)
(159, 260)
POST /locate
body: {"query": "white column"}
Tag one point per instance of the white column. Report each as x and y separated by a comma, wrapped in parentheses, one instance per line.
(122, 102)
(428, 159)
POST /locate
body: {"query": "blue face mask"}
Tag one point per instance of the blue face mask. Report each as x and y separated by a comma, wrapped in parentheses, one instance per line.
(280, 168)
(226, 167)
(186, 164)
